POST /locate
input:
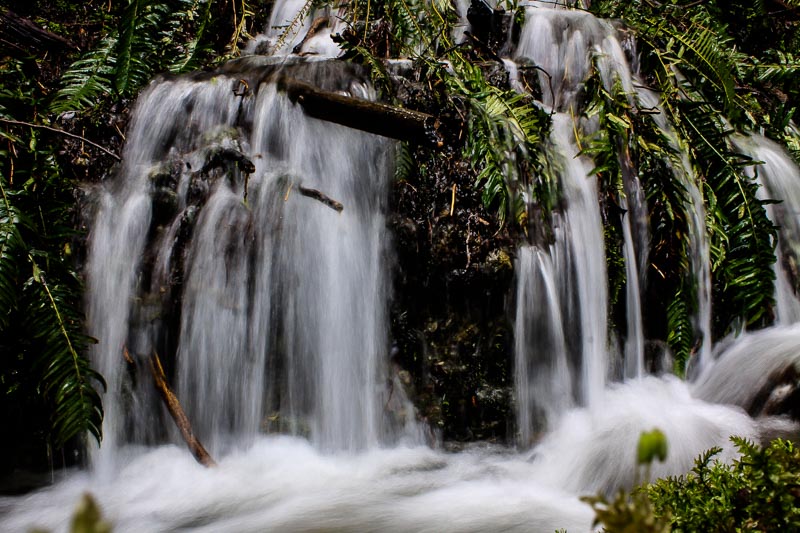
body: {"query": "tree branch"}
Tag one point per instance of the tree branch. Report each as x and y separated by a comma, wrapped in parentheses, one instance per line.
(321, 197)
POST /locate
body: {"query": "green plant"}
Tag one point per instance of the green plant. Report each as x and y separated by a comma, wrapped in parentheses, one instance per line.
(53, 346)
(502, 133)
(47, 387)
(87, 518)
(150, 37)
(742, 237)
(759, 491)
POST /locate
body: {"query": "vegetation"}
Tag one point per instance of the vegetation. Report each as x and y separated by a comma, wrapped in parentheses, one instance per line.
(708, 87)
(707, 61)
(756, 492)
(48, 387)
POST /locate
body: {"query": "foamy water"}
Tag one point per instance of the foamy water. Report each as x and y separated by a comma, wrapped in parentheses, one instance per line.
(286, 484)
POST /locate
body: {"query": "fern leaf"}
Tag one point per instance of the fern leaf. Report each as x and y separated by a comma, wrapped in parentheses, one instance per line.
(404, 162)
(744, 238)
(129, 26)
(67, 382)
(190, 59)
(87, 79)
(787, 67)
(294, 26)
(709, 58)
(681, 334)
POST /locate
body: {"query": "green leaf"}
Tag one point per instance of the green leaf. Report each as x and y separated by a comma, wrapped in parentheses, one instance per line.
(652, 445)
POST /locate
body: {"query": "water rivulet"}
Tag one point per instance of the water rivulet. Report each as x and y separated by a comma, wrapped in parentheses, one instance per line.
(247, 245)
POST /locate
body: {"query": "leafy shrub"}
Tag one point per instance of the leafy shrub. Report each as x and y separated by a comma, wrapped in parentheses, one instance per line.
(760, 491)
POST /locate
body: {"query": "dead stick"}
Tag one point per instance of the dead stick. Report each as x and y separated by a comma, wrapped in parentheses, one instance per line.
(317, 195)
(62, 132)
(177, 413)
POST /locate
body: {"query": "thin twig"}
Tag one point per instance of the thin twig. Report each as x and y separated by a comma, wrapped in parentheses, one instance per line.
(62, 132)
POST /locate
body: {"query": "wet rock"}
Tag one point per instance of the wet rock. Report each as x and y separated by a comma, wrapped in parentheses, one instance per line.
(226, 157)
(285, 424)
(199, 188)
(658, 357)
(165, 205)
(529, 74)
(779, 396)
(450, 316)
(497, 75)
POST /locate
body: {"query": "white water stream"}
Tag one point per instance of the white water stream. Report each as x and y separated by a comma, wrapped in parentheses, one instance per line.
(779, 177)
(283, 327)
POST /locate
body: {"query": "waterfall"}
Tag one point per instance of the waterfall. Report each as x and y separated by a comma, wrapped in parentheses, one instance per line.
(288, 32)
(584, 234)
(698, 235)
(564, 44)
(634, 344)
(779, 178)
(544, 381)
(270, 310)
(280, 302)
(119, 237)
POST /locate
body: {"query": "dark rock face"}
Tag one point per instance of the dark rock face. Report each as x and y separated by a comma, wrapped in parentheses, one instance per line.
(450, 316)
(779, 396)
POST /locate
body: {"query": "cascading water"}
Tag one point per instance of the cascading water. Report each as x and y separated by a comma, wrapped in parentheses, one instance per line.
(779, 178)
(268, 277)
(564, 45)
(209, 249)
(288, 32)
(544, 384)
(698, 236)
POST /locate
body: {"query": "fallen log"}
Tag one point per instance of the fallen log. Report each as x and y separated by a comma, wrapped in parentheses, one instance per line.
(372, 117)
(21, 34)
(178, 414)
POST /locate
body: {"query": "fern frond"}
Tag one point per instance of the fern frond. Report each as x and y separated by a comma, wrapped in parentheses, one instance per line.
(129, 26)
(709, 57)
(88, 79)
(742, 235)
(145, 37)
(66, 382)
(681, 334)
(786, 67)
(404, 162)
(294, 26)
(199, 11)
